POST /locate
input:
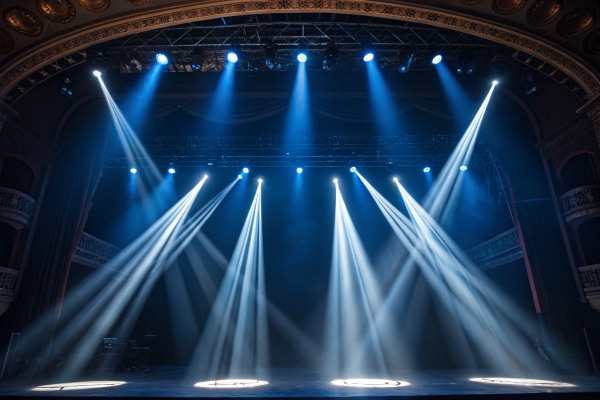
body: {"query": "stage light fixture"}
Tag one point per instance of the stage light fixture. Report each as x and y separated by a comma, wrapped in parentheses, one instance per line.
(98, 63)
(97, 73)
(205, 176)
(463, 168)
(367, 51)
(426, 169)
(161, 58)
(299, 170)
(197, 58)
(302, 53)
(171, 170)
(67, 87)
(395, 179)
(271, 55)
(133, 171)
(494, 83)
(260, 181)
(233, 56)
(245, 170)
(406, 58)
(353, 169)
(436, 58)
(239, 177)
(369, 383)
(465, 63)
(335, 181)
(330, 56)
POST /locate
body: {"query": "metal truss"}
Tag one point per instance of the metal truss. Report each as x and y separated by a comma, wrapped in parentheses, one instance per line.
(277, 151)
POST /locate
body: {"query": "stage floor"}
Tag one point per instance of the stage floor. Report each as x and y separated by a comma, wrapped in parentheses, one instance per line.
(171, 382)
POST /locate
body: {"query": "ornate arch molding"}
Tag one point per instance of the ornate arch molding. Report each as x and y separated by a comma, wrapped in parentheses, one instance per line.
(203, 10)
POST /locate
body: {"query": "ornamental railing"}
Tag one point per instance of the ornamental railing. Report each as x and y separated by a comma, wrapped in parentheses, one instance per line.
(16, 208)
(500, 250)
(93, 252)
(8, 279)
(580, 201)
(590, 279)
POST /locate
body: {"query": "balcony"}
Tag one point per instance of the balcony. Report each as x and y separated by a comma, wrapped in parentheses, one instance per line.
(93, 252)
(580, 202)
(500, 250)
(16, 208)
(590, 278)
(8, 279)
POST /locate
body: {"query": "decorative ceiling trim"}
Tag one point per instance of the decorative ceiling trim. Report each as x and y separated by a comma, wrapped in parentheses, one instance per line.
(136, 2)
(96, 6)
(6, 42)
(508, 7)
(60, 11)
(470, 2)
(576, 22)
(148, 20)
(544, 12)
(23, 21)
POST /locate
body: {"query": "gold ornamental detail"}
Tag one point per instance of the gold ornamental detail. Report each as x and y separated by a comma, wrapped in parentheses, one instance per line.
(23, 21)
(576, 22)
(508, 7)
(466, 25)
(60, 11)
(96, 6)
(543, 12)
(136, 2)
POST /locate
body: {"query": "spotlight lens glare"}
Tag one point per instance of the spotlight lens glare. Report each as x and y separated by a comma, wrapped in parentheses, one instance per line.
(395, 179)
(335, 181)
(299, 170)
(97, 73)
(232, 57)
(260, 181)
(426, 169)
(353, 169)
(171, 170)
(239, 177)
(205, 176)
(463, 168)
(368, 57)
(302, 57)
(162, 58)
(133, 171)
(495, 82)
(245, 170)
(436, 59)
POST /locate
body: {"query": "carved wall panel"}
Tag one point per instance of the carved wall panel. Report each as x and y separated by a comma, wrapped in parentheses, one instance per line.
(23, 21)
(61, 11)
(543, 12)
(576, 22)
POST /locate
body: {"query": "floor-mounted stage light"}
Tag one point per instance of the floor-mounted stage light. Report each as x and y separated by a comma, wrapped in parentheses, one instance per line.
(302, 53)
(197, 58)
(133, 170)
(367, 51)
(463, 168)
(299, 170)
(406, 58)
(233, 56)
(330, 56)
(162, 58)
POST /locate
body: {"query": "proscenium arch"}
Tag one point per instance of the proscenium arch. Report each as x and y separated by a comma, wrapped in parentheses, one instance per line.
(198, 10)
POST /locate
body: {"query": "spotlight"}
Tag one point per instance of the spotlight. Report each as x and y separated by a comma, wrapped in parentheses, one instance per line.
(271, 55)
(330, 58)
(98, 63)
(260, 181)
(205, 176)
(133, 171)
(463, 168)
(436, 58)
(335, 181)
(245, 170)
(465, 63)
(232, 56)
(171, 170)
(299, 170)
(161, 58)
(302, 53)
(67, 87)
(353, 169)
(406, 58)
(395, 179)
(367, 51)
(426, 169)
(197, 58)
(97, 73)
(494, 83)
(239, 177)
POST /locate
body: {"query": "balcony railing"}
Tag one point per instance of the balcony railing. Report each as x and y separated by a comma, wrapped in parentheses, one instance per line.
(8, 279)
(93, 252)
(16, 208)
(580, 201)
(590, 279)
(500, 250)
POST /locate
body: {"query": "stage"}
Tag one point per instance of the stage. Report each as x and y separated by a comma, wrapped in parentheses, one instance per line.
(171, 382)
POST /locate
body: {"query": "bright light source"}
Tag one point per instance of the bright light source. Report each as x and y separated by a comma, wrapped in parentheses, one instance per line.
(495, 83)
(77, 386)
(299, 170)
(162, 58)
(97, 73)
(335, 181)
(205, 176)
(353, 169)
(232, 57)
(463, 168)
(231, 383)
(260, 181)
(521, 382)
(373, 383)
(368, 57)
(245, 170)
(436, 59)
(171, 170)
(133, 171)
(426, 169)
(395, 179)
(302, 57)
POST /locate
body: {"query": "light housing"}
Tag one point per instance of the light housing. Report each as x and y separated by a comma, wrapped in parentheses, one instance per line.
(302, 53)
(367, 51)
(406, 58)
(233, 56)
(161, 57)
